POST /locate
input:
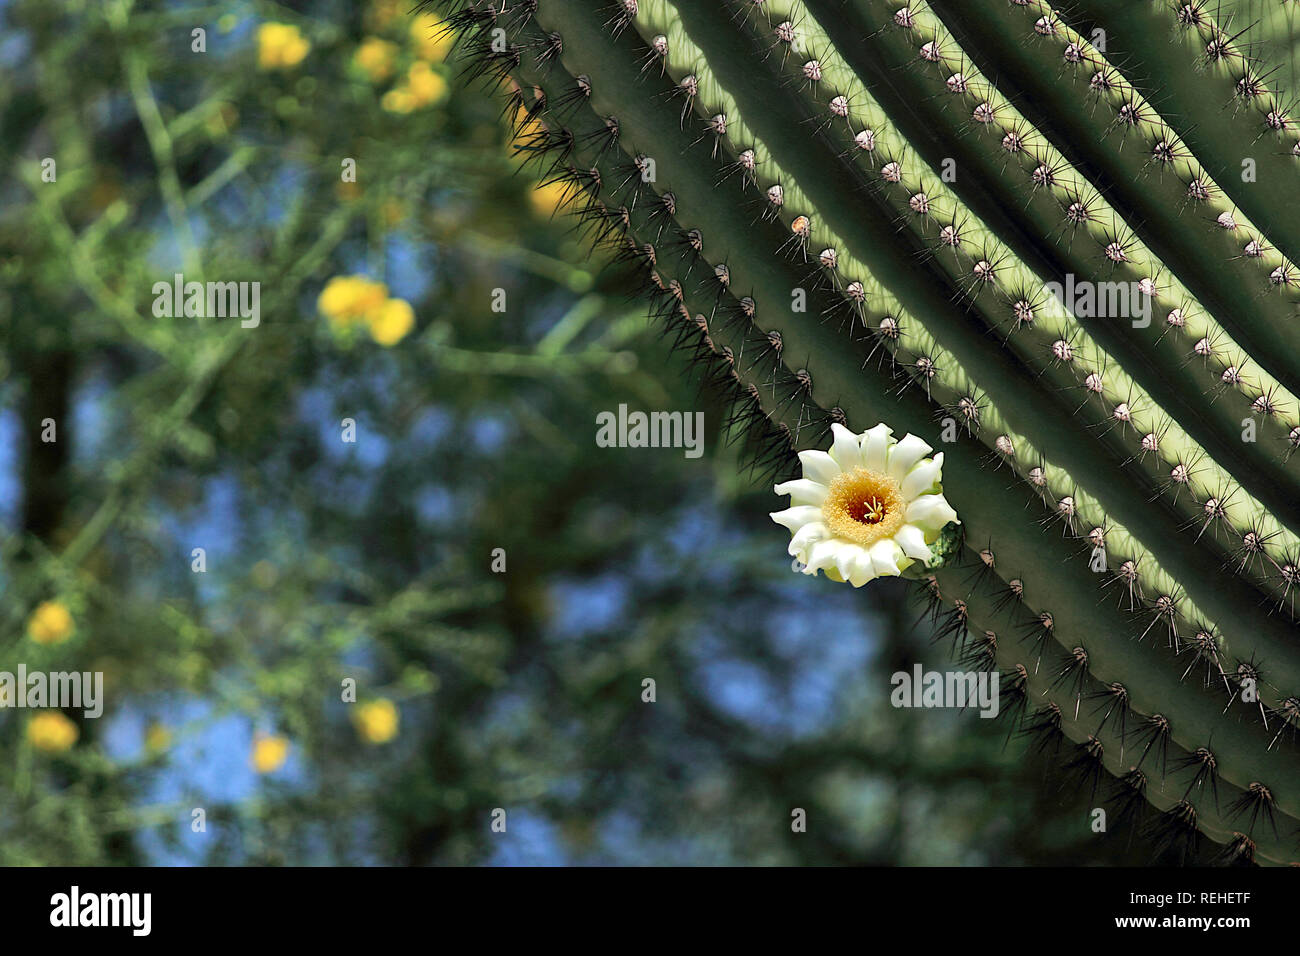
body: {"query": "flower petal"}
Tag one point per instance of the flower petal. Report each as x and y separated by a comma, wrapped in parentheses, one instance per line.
(822, 554)
(912, 540)
(795, 518)
(906, 454)
(803, 491)
(819, 466)
(884, 557)
(875, 447)
(847, 449)
(930, 513)
(806, 537)
(922, 477)
(863, 569)
(846, 561)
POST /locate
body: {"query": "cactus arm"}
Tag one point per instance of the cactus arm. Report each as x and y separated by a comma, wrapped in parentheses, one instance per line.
(1274, 46)
(1052, 566)
(792, 338)
(1017, 403)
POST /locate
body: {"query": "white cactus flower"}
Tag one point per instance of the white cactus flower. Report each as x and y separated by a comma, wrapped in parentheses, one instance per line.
(869, 508)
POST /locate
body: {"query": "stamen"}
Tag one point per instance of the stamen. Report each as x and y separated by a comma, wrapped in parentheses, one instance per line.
(864, 506)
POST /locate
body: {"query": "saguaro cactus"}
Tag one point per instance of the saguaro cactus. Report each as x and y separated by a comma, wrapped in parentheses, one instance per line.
(1060, 246)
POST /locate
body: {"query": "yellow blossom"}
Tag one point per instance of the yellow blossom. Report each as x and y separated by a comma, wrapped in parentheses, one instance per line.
(432, 38)
(422, 86)
(527, 131)
(377, 721)
(52, 732)
(425, 85)
(375, 58)
(347, 300)
(50, 623)
(397, 100)
(269, 752)
(390, 323)
(280, 46)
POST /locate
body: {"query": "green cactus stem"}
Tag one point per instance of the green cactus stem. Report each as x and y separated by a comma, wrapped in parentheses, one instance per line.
(775, 171)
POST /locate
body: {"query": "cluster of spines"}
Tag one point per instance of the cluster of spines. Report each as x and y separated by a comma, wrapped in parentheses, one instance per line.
(697, 328)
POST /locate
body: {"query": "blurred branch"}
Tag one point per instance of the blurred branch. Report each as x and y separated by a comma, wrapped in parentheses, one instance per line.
(160, 141)
(572, 277)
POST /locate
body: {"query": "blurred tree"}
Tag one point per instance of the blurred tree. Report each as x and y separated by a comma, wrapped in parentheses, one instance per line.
(331, 567)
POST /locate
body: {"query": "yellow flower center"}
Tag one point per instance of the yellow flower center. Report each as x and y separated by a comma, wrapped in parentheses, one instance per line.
(863, 506)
